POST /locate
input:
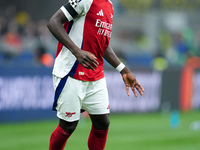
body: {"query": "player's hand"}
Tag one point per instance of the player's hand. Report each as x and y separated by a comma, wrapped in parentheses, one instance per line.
(131, 82)
(87, 59)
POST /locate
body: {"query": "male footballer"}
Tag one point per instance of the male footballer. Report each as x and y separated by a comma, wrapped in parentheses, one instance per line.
(83, 29)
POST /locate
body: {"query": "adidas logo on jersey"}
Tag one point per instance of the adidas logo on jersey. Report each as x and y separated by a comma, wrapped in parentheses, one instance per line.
(100, 13)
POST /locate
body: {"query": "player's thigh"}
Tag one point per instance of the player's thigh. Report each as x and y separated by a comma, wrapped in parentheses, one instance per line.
(96, 101)
(69, 103)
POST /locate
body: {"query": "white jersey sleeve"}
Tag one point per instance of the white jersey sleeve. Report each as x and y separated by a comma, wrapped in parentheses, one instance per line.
(76, 8)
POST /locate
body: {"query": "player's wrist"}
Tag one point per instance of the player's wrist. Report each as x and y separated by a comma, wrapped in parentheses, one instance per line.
(120, 67)
(76, 51)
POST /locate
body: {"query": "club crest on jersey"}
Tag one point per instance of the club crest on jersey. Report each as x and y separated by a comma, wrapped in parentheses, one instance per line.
(69, 114)
(73, 3)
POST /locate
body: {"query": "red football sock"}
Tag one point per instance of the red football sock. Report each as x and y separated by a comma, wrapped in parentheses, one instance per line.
(97, 139)
(58, 139)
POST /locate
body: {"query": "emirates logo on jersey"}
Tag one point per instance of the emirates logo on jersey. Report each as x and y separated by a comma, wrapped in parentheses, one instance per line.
(105, 28)
(104, 24)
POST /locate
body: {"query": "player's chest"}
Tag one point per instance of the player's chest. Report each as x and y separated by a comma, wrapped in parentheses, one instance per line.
(100, 13)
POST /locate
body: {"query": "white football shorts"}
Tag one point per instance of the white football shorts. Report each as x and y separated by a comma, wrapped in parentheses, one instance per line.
(72, 95)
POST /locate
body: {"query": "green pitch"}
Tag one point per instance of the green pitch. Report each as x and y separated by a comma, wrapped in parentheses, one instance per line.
(127, 132)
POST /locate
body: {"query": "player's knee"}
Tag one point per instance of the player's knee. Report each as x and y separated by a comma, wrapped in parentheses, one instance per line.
(68, 127)
(106, 124)
(102, 125)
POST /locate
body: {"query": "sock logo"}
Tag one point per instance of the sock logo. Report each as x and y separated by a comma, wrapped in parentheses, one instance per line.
(69, 114)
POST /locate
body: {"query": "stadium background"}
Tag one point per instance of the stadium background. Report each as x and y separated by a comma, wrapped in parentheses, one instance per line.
(158, 39)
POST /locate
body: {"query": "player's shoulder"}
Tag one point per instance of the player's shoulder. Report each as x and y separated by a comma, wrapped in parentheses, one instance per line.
(80, 7)
(84, 1)
(110, 2)
(75, 3)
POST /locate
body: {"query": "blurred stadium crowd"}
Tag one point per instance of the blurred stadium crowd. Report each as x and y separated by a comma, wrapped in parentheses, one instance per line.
(23, 39)
(146, 33)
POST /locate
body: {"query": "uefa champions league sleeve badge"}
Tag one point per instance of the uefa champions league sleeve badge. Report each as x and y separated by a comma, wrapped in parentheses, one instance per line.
(73, 3)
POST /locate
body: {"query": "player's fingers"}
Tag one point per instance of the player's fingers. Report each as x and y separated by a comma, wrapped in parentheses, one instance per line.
(85, 66)
(140, 86)
(139, 90)
(92, 63)
(92, 60)
(92, 55)
(88, 66)
(134, 92)
(89, 60)
(127, 90)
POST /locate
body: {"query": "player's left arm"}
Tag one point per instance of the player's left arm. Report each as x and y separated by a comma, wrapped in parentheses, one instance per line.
(129, 78)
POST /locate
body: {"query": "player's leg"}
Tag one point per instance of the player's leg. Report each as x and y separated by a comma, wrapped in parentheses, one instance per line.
(61, 134)
(96, 103)
(100, 122)
(68, 105)
(99, 131)
(68, 127)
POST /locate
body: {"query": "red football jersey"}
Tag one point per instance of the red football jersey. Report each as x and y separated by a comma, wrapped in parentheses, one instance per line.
(90, 28)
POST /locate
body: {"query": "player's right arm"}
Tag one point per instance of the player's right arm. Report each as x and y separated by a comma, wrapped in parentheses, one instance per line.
(55, 25)
(129, 78)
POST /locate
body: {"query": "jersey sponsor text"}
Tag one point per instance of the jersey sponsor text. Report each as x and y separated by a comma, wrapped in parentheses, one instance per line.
(104, 28)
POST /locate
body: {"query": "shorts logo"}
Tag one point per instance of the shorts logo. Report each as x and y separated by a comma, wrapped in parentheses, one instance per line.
(69, 114)
(108, 107)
